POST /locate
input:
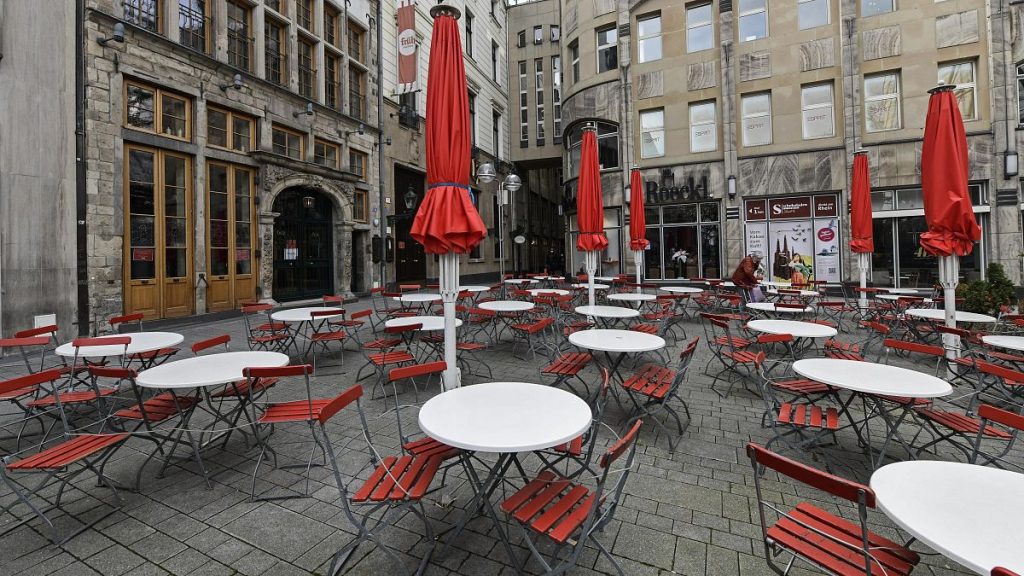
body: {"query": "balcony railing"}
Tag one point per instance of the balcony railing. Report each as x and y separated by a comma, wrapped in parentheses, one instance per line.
(357, 104)
(194, 32)
(276, 68)
(332, 95)
(307, 82)
(240, 50)
(409, 117)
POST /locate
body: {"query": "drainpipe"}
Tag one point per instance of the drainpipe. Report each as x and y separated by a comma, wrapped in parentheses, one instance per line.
(81, 235)
(381, 215)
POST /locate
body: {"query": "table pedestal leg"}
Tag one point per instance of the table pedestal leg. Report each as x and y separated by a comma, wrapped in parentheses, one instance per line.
(481, 500)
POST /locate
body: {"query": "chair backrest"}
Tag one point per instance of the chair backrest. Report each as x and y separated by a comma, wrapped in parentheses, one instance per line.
(774, 338)
(360, 314)
(332, 299)
(915, 347)
(1001, 416)
(117, 372)
(23, 345)
(402, 329)
(102, 341)
(791, 305)
(50, 331)
(30, 380)
(277, 371)
(341, 401)
(425, 369)
(999, 371)
(840, 487)
(326, 313)
(1000, 571)
(409, 287)
(256, 308)
(211, 342)
(117, 321)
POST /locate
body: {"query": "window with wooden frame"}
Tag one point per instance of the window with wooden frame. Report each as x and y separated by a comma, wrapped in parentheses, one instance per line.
(158, 232)
(230, 242)
(332, 26)
(194, 25)
(144, 14)
(275, 50)
(156, 110)
(240, 39)
(274, 5)
(230, 130)
(357, 163)
(288, 143)
(332, 80)
(360, 205)
(326, 153)
(307, 68)
(356, 92)
(356, 42)
(304, 14)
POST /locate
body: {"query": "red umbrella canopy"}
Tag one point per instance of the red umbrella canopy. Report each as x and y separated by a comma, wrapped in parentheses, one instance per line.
(589, 206)
(952, 228)
(637, 217)
(447, 221)
(862, 236)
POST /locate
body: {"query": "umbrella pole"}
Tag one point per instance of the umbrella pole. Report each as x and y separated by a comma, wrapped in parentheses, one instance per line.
(949, 275)
(638, 260)
(862, 261)
(449, 281)
(590, 257)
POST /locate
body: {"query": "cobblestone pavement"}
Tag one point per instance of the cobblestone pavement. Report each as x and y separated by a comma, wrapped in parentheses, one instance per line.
(691, 512)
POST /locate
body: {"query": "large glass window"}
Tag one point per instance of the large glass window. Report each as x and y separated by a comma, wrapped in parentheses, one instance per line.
(230, 210)
(610, 260)
(962, 75)
(194, 25)
(652, 133)
(816, 103)
(813, 13)
(1020, 93)
(882, 102)
(275, 51)
(703, 128)
(239, 34)
(469, 33)
(356, 42)
(574, 60)
(332, 80)
(753, 19)
(156, 110)
(607, 49)
(143, 13)
(326, 154)
(538, 34)
(684, 241)
(607, 147)
(700, 28)
(356, 92)
(524, 116)
(556, 98)
(228, 129)
(756, 110)
(873, 7)
(307, 69)
(649, 42)
(304, 14)
(332, 26)
(288, 143)
(538, 77)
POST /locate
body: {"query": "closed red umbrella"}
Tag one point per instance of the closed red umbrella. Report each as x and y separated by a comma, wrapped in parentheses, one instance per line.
(590, 207)
(952, 228)
(862, 240)
(638, 241)
(447, 223)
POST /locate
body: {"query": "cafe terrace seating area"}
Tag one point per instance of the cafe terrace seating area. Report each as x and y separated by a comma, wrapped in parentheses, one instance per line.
(663, 430)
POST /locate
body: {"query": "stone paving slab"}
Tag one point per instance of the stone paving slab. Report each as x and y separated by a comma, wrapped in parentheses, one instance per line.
(688, 512)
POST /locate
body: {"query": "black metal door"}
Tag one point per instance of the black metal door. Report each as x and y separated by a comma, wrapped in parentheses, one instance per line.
(303, 245)
(410, 258)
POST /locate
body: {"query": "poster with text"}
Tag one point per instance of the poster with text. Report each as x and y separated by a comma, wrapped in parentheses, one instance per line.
(826, 249)
(757, 241)
(790, 253)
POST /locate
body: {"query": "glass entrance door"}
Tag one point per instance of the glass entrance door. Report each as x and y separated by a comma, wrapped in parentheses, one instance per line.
(899, 260)
(303, 245)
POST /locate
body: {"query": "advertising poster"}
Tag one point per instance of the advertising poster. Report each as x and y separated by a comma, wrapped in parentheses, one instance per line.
(407, 48)
(791, 254)
(826, 249)
(757, 241)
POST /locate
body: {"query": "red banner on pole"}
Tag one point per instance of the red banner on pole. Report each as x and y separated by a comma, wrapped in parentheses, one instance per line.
(408, 54)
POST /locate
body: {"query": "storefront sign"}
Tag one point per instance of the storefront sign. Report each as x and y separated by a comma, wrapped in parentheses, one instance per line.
(142, 254)
(243, 254)
(291, 250)
(756, 210)
(826, 206)
(793, 207)
(407, 47)
(800, 240)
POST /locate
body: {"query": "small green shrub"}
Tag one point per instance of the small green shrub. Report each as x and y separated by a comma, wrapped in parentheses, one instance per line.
(986, 296)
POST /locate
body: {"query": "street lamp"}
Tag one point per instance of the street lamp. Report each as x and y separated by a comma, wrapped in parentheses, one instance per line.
(410, 199)
(511, 183)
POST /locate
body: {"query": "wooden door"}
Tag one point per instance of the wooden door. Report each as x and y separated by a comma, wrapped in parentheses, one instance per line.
(178, 295)
(230, 239)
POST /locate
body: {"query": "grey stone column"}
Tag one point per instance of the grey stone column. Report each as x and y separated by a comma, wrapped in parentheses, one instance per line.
(1004, 221)
(265, 286)
(731, 232)
(343, 258)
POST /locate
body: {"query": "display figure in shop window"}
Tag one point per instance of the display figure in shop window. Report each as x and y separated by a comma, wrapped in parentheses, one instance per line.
(680, 257)
(801, 271)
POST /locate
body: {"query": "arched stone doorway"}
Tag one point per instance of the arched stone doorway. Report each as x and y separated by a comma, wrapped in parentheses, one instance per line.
(303, 255)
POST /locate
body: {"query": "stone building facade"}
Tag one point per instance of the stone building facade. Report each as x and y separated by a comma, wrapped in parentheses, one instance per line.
(744, 117)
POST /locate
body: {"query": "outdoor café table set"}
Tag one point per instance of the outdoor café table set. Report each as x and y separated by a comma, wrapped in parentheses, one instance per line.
(805, 334)
(302, 322)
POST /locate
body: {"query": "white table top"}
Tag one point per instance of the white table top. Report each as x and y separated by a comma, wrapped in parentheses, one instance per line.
(606, 278)
(632, 297)
(504, 417)
(783, 284)
(521, 281)
(681, 289)
(804, 293)
(548, 292)
(474, 289)
(543, 277)
(596, 286)
(904, 291)
(968, 513)
(1008, 342)
(872, 378)
(419, 297)
(430, 323)
(936, 314)
(141, 342)
(797, 329)
(608, 311)
(770, 307)
(304, 314)
(209, 370)
(726, 283)
(507, 305)
(626, 341)
(894, 297)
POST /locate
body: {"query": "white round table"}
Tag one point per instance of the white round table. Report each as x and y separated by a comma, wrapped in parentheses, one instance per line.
(596, 286)
(1007, 342)
(296, 315)
(429, 323)
(208, 370)
(418, 297)
(141, 342)
(608, 312)
(521, 281)
(474, 289)
(795, 328)
(776, 284)
(896, 297)
(725, 283)
(507, 306)
(940, 315)
(970, 514)
(623, 341)
(681, 289)
(504, 417)
(548, 292)
(872, 381)
(770, 307)
(904, 291)
(632, 297)
(606, 278)
(801, 293)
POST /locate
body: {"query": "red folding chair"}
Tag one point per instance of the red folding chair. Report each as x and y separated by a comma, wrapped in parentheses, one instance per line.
(323, 335)
(566, 514)
(145, 359)
(354, 323)
(580, 450)
(425, 446)
(237, 393)
(534, 335)
(820, 538)
(966, 432)
(654, 388)
(799, 424)
(998, 571)
(263, 333)
(26, 347)
(389, 351)
(568, 366)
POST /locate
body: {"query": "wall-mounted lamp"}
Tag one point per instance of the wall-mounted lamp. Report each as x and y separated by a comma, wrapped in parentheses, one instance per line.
(236, 83)
(307, 112)
(485, 173)
(410, 199)
(308, 202)
(116, 36)
(387, 141)
(1010, 164)
(730, 186)
(360, 130)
